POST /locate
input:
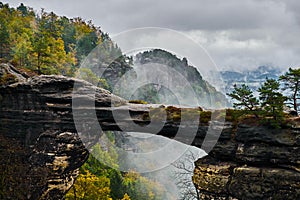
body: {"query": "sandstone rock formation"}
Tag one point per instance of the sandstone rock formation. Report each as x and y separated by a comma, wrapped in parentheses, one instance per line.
(40, 146)
(254, 163)
(41, 149)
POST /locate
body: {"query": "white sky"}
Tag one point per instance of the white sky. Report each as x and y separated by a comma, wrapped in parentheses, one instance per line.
(237, 34)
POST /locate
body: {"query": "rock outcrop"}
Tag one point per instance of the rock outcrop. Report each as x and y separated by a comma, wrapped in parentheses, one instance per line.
(254, 163)
(41, 148)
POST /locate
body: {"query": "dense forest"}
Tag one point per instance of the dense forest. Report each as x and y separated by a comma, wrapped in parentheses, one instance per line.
(44, 43)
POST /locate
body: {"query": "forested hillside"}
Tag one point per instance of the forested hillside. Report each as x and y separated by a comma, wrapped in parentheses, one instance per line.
(44, 43)
(206, 94)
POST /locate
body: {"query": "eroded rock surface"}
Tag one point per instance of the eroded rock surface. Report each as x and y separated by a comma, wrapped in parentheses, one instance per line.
(41, 149)
(256, 163)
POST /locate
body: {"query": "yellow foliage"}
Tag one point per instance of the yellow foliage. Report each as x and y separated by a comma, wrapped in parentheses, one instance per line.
(126, 197)
(90, 186)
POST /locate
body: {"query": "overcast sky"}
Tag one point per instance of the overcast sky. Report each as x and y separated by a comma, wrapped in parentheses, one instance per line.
(238, 34)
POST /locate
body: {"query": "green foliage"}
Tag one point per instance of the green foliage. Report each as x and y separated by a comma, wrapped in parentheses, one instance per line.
(4, 31)
(114, 183)
(139, 187)
(234, 115)
(176, 114)
(44, 43)
(291, 81)
(87, 75)
(47, 43)
(272, 101)
(244, 98)
(205, 116)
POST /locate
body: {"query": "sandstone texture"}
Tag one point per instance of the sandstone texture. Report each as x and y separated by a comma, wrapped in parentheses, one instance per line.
(47, 127)
(255, 163)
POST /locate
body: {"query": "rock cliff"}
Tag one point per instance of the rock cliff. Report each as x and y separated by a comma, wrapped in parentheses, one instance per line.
(251, 163)
(41, 150)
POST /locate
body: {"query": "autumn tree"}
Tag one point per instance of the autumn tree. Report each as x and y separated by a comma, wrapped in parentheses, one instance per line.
(4, 31)
(123, 185)
(244, 98)
(89, 186)
(126, 197)
(47, 43)
(49, 48)
(139, 187)
(291, 81)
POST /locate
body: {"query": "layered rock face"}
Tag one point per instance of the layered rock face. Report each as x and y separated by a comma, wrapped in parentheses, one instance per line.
(40, 149)
(251, 163)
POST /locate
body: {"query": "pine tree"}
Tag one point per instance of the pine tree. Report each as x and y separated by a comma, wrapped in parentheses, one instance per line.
(291, 81)
(272, 100)
(244, 98)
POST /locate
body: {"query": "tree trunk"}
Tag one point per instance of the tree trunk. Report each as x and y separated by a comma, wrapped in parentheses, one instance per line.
(39, 64)
(295, 97)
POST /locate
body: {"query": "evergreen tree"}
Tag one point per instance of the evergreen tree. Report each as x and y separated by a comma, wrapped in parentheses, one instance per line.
(291, 81)
(22, 9)
(272, 100)
(244, 98)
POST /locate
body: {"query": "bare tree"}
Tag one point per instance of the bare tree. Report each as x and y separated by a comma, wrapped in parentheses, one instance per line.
(183, 175)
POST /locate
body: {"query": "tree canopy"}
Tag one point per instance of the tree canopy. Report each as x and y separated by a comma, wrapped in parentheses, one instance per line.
(272, 100)
(46, 43)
